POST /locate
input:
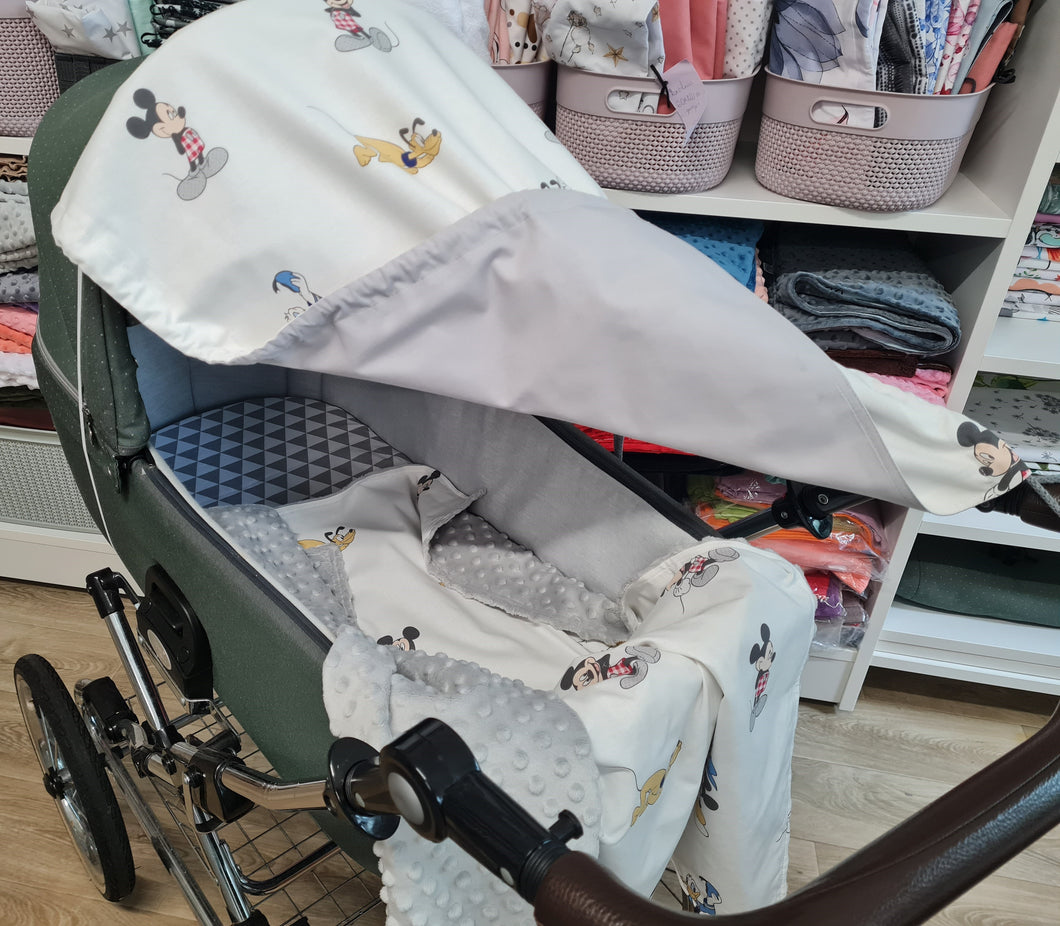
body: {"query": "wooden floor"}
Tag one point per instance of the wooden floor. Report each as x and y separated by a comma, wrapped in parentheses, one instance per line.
(855, 775)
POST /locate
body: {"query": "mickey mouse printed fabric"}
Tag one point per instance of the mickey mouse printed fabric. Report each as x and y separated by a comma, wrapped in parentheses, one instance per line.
(386, 126)
(444, 254)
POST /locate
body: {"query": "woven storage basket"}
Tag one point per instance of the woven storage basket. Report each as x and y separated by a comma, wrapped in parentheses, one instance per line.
(533, 82)
(36, 485)
(70, 68)
(645, 151)
(906, 163)
(28, 85)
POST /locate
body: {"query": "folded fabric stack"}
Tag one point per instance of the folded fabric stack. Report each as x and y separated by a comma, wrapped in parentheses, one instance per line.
(838, 568)
(869, 301)
(1025, 415)
(1035, 289)
(731, 243)
(641, 38)
(901, 46)
(98, 28)
(21, 403)
(513, 32)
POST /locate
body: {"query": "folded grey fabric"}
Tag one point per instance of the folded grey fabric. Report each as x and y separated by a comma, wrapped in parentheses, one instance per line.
(20, 286)
(17, 242)
(869, 283)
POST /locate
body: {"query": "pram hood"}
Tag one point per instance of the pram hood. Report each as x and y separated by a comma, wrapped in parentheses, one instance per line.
(365, 197)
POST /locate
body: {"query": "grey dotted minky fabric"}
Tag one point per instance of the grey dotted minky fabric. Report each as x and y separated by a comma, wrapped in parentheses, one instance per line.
(315, 579)
(866, 282)
(18, 245)
(474, 558)
(528, 742)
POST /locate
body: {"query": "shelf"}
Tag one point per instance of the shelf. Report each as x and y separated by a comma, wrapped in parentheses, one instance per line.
(56, 557)
(1024, 347)
(963, 210)
(991, 527)
(15, 144)
(974, 649)
(826, 673)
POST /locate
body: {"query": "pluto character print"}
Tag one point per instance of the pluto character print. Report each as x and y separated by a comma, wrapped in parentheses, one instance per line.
(995, 457)
(352, 35)
(165, 121)
(290, 281)
(341, 537)
(652, 790)
(414, 153)
(630, 669)
(762, 656)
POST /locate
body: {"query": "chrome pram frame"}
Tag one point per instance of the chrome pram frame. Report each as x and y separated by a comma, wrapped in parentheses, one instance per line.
(429, 778)
(253, 834)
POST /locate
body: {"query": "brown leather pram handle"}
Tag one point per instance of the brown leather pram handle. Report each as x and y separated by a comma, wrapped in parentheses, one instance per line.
(902, 878)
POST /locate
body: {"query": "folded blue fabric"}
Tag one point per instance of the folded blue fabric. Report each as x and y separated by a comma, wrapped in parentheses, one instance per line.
(730, 243)
(869, 283)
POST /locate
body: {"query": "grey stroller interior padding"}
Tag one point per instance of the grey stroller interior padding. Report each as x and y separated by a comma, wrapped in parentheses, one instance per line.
(244, 459)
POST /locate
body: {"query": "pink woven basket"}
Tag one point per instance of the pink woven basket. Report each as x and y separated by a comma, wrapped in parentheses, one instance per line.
(645, 151)
(533, 82)
(908, 162)
(28, 85)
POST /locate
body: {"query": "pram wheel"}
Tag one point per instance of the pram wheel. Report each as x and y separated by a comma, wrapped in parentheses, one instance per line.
(75, 776)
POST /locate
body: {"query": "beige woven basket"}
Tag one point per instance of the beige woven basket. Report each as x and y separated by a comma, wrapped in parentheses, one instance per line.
(533, 82)
(28, 85)
(645, 151)
(906, 163)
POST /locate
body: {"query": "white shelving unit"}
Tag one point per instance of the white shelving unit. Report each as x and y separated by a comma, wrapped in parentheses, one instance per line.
(971, 238)
(35, 552)
(14, 144)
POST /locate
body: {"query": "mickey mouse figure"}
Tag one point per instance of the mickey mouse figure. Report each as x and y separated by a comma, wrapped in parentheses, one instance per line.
(631, 669)
(424, 483)
(996, 457)
(165, 121)
(354, 36)
(762, 656)
(699, 570)
(407, 640)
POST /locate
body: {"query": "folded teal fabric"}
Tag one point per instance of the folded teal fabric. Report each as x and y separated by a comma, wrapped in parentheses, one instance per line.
(983, 580)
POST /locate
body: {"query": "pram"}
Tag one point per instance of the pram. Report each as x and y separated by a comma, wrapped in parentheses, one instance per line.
(226, 450)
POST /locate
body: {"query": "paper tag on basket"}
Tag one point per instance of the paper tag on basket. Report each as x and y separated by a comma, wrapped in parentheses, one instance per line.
(687, 94)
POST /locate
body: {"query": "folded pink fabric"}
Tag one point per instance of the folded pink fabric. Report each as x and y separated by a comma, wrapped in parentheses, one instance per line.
(18, 318)
(930, 385)
(13, 342)
(694, 30)
(986, 62)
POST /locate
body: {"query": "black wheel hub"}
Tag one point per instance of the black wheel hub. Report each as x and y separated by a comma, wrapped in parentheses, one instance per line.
(53, 784)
